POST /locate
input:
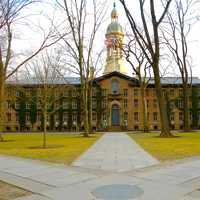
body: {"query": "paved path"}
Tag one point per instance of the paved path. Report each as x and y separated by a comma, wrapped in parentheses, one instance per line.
(56, 182)
(115, 152)
(174, 181)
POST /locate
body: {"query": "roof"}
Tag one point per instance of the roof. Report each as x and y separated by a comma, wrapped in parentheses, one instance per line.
(175, 80)
(76, 80)
(116, 73)
(34, 81)
(114, 27)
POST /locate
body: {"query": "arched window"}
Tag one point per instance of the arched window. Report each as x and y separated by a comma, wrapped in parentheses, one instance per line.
(115, 86)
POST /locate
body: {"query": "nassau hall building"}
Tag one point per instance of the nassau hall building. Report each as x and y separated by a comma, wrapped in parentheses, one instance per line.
(116, 99)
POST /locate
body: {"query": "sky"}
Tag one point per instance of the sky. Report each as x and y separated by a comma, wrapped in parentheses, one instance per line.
(29, 37)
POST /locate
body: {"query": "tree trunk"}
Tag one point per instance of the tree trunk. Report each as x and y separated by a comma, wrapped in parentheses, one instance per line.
(165, 129)
(2, 100)
(90, 107)
(186, 106)
(44, 130)
(86, 113)
(144, 109)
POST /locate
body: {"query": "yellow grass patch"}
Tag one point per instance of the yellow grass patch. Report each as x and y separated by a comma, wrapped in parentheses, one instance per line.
(62, 148)
(187, 145)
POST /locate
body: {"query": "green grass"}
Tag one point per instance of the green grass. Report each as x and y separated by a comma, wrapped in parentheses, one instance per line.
(63, 148)
(187, 145)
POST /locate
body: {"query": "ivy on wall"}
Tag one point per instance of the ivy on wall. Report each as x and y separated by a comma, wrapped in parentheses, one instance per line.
(22, 111)
(33, 108)
(69, 123)
(194, 108)
(99, 99)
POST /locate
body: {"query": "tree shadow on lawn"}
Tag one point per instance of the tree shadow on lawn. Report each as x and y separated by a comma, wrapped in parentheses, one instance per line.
(167, 137)
(47, 147)
(7, 141)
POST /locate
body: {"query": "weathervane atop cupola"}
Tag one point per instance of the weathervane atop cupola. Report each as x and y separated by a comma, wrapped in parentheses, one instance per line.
(114, 13)
(114, 40)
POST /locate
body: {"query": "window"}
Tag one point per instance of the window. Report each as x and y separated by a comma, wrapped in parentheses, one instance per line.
(191, 117)
(39, 116)
(9, 92)
(172, 116)
(155, 127)
(104, 104)
(171, 92)
(180, 92)
(28, 93)
(56, 117)
(17, 93)
(104, 92)
(28, 105)
(155, 103)
(65, 104)
(136, 103)
(125, 92)
(27, 117)
(180, 116)
(17, 105)
(17, 116)
(74, 93)
(74, 117)
(180, 103)
(136, 128)
(57, 94)
(135, 92)
(104, 116)
(171, 105)
(155, 116)
(125, 116)
(125, 103)
(8, 116)
(9, 105)
(74, 105)
(148, 103)
(57, 105)
(94, 92)
(39, 105)
(94, 104)
(115, 87)
(66, 93)
(164, 92)
(65, 117)
(136, 116)
(94, 116)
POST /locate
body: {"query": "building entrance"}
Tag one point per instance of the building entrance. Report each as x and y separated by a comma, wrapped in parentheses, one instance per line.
(115, 115)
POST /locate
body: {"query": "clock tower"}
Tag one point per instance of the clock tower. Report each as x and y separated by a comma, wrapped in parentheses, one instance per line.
(114, 40)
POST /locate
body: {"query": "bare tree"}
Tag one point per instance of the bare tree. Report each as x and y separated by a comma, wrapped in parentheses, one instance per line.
(151, 48)
(141, 69)
(10, 14)
(180, 20)
(43, 71)
(83, 19)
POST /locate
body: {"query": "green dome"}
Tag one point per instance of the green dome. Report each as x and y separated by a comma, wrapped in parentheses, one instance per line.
(114, 27)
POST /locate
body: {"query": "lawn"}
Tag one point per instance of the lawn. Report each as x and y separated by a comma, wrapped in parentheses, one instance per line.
(187, 145)
(62, 148)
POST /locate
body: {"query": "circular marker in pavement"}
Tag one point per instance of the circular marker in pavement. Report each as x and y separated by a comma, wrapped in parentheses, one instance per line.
(117, 192)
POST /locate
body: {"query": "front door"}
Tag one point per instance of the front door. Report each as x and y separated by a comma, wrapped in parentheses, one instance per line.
(115, 115)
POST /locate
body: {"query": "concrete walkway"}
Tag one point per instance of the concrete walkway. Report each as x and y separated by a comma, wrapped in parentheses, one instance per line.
(115, 152)
(47, 181)
(179, 181)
